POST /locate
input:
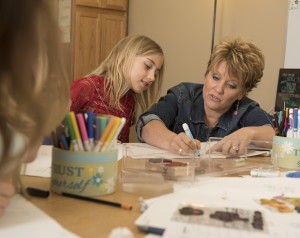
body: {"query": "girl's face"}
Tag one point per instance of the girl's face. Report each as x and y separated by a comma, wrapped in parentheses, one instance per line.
(220, 91)
(144, 71)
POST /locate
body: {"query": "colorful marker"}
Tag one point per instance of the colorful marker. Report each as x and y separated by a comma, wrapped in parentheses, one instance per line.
(111, 134)
(76, 131)
(105, 134)
(83, 131)
(114, 139)
(90, 129)
(71, 132)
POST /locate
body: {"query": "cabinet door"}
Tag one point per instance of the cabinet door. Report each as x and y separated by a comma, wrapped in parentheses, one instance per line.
(87, 40)
(115, 4)
(109, 4)
(114, 28)
(89, 3)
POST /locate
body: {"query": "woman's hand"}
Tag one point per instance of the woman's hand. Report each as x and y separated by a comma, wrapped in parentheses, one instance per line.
(238, 141)
(182, 143)
(7, 190)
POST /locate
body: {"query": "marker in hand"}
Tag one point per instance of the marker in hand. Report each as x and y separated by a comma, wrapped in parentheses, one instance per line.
(189, 134)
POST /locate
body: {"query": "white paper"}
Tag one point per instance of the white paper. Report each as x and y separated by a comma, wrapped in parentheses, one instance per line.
(41, 166)
(23, 219)
(226, 192)
(145, 151)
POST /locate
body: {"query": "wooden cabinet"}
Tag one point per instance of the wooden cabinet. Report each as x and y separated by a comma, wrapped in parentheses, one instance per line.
(97, 25)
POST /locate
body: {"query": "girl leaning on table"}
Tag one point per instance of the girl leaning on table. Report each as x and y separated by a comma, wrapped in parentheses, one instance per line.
(129, 77)
(34, 87)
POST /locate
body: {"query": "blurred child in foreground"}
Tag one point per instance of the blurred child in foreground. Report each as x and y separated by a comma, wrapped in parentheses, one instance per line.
(34, 87)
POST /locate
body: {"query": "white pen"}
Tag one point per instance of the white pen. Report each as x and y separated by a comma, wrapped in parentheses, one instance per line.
(189, 134)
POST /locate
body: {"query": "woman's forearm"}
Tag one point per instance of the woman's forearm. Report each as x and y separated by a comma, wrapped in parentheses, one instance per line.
(157, 134)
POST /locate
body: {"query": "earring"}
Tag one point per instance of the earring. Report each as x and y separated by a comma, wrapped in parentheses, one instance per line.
(237, 108)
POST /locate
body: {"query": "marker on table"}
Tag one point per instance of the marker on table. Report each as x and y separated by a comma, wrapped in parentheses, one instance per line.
(290, 130)
(76, 131)
(189, 134)
(103, 123)
(97, 130)
(90, 129)
(64, 142)
(104, 135)
(71, 133)
(113, 141)
(111, 133)
(295, 132)
(83, 131)
(36, 192)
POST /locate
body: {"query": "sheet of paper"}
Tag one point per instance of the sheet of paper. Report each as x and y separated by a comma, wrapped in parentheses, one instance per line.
(41, 166)
(244, 193)
(144, 151)
(23, 219)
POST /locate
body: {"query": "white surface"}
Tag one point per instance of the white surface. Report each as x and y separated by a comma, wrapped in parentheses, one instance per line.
(292, 55)
(226, 192)
(41, 166)
(23, 219)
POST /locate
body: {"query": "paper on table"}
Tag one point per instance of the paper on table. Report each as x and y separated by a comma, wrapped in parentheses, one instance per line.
(41, 166)
(225, 192)
(145, 151)
(23, 219)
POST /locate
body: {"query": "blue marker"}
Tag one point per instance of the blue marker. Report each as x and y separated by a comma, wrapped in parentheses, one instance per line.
(64, 142)
(90, 129)
(293, 175)
(189, 134)
(295, 123)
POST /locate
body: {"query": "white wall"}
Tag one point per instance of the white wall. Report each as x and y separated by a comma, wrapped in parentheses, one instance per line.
(292, 53)
(183, 29)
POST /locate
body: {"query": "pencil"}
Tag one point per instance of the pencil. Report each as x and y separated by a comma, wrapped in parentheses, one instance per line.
(109, 203)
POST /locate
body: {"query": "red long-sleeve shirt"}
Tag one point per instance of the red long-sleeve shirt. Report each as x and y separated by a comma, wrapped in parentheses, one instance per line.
(87, 94)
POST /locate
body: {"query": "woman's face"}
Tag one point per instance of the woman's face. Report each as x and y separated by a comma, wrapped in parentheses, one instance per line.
(144, 70)
(220, 91)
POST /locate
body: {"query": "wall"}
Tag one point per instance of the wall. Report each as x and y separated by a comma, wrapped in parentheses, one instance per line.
(184, 30)
(292, 59)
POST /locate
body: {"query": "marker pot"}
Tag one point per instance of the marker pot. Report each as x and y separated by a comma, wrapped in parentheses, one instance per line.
(84, 173)
(286, 152)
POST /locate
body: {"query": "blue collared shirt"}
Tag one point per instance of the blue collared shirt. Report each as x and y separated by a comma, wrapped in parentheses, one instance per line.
(184, 103)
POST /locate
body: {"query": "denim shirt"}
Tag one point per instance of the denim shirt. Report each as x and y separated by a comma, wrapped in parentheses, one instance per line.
(184, 103)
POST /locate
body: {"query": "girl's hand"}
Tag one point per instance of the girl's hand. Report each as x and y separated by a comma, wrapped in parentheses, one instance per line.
(7, 190)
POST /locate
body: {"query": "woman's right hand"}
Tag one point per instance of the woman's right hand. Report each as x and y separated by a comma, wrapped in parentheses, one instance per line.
(182, 143)
(7, 190)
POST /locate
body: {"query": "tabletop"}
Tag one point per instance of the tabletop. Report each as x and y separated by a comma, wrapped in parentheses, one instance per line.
(84, 218)
(88, 219)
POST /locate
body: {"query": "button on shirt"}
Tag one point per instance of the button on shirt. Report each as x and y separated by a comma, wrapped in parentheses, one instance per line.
(184, 103)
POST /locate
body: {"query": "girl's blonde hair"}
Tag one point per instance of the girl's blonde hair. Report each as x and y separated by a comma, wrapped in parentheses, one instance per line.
(34, 86)
(115, 69)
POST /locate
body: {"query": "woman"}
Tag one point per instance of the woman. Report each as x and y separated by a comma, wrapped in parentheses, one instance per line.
(218, 108)
(34, 88)
(131, 73)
